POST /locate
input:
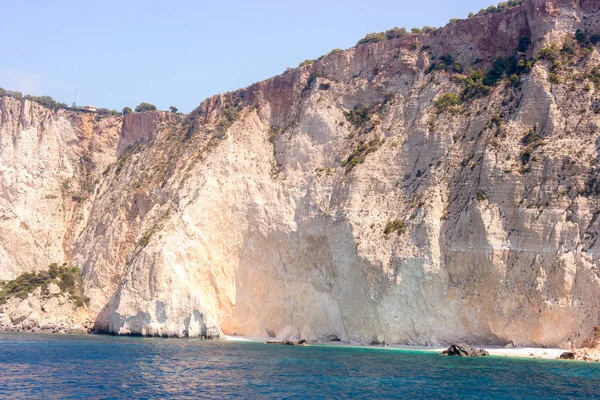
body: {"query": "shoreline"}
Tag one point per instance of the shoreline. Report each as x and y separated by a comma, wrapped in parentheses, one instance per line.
(516, 352)
(495, 351)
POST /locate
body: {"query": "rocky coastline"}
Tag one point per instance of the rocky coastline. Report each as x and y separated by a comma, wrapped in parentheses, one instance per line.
(441, 187)
(54, 312)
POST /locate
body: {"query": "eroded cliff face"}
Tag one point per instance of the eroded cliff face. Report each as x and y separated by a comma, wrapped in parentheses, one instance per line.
(265, 211)
(50, 165)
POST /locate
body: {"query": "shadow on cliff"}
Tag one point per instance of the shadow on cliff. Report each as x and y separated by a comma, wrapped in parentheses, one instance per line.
(310, 281)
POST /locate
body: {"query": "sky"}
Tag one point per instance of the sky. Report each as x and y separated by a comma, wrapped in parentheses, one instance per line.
(179, 52)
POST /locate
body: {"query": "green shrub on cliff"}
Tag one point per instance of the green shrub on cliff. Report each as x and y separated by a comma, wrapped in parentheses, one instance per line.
(10, 93)
(551, 54)
(524, 43)
(67, 277)
(532, 140)
(359, 115)
(396, 225)
(306, 62)
(359, 154)
(45, 101)
(105, 112)
(372, 38)
(396, 33)
(126, 110)
(594, 76)
(494, 74)
(69, 281)
(393, 33)
(530, 137)
(446, 63)
(143, 107)
(23, 285)
(448, 102)
(503, 5)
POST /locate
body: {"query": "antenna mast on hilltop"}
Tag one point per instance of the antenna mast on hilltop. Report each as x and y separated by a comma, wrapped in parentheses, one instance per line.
(76, 89)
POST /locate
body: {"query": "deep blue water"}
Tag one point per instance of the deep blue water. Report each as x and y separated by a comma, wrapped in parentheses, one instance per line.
(98, 366)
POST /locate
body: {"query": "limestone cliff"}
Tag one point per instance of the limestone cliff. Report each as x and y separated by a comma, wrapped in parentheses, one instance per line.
(50, 165)
(420, 190)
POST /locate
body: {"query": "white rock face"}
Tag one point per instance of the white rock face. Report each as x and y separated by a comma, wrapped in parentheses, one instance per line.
(48, 164)
(247, 218)
(53, 288)
(44, 311)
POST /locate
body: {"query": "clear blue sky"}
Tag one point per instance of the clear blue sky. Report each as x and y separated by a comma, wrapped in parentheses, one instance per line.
(181, 52)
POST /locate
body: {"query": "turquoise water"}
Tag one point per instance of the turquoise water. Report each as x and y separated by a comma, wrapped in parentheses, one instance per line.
(49, 366)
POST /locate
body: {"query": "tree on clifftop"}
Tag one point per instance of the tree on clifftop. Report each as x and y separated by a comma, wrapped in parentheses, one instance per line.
(145, 107)
(126, 110)
(173, 109)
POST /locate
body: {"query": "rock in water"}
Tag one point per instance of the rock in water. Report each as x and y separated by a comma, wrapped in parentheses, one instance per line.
(464, 350)
(287, 342)
(475, 353)
(567, 355)
(461, 350)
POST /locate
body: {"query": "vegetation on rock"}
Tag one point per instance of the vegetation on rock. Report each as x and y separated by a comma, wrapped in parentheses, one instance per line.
(448, 102)
(396, 33)
(503, 5)
(306, 62)
(68, 279)
(143, 107)
(372, 38)
(533, 141)
(360, 117)
(105, 112)
(45, 101)
(335, 51)
(445, 63)
(359, 155)
(396, 225)
(230, 113)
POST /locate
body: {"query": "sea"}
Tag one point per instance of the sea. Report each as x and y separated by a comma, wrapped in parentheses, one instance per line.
(48, 366)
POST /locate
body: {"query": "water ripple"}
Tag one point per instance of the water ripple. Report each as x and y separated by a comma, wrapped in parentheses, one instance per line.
(48, 366)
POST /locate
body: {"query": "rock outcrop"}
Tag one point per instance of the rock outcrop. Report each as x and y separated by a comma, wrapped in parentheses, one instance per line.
(388, 193)
(286, 342)
(464, 350)
(50, 311)
(583, 354)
